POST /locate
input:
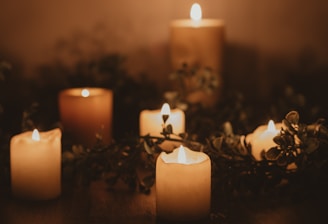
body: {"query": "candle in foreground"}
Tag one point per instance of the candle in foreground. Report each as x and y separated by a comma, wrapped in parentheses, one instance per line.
(35, 165)
(86, 112)
(183, 185)
(262, 138)
(198, 43)
(151, 122)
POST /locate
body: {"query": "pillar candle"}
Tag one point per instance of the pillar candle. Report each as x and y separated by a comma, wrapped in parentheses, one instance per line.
(86, 112)
(151, 122)
(262, 138)
(35, 165)
(198, 43)
(183, 185)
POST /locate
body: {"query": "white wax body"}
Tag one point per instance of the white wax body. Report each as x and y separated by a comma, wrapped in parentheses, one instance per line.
(84, 117)
(198, 44)
(262, 140)
(36, 165)
(151, 122)
(183, 191)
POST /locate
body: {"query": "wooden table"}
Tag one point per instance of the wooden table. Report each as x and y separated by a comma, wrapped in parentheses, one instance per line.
(97, 204)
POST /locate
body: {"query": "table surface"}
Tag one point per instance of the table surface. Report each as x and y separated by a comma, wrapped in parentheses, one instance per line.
(98, 204)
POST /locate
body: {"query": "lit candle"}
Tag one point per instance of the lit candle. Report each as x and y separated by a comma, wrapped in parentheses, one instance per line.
(198, 42)
(262, 138)
(35, 165)
(151, 122)
(183, 185)
(86, 112)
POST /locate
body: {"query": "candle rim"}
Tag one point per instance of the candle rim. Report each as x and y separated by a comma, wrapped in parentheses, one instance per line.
(93, 92)
(205, 22)
(44, 136)
(172, 157)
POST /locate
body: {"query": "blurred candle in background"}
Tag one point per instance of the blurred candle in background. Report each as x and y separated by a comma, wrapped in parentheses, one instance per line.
(86, 112)
(35, 165)
(198, 43)
(151, 122)
(183, 185)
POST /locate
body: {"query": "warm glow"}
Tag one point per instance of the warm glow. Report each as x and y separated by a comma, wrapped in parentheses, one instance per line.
(182, 155)
(271, 126)
(196, 12)
(85, 93)
(35, 135)
(166, 109)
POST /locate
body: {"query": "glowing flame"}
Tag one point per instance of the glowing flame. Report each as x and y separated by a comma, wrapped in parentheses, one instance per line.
(35, 135)
(85, 93)
(166, 109)
(271, 127)
(196, 12)
(182, 155)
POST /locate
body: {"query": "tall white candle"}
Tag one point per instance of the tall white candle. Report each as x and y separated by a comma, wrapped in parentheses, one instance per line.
(198, 43)
(35, 165)
(151, 122)
(86, 112)
(183, 185)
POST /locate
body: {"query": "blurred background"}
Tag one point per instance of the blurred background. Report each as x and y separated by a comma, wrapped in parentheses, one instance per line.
(268, 44)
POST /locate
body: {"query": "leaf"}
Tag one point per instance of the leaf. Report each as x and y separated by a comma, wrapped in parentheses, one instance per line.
(149, 149)
(217, 143)
(293, 117)
(273, 154)
(311, 145)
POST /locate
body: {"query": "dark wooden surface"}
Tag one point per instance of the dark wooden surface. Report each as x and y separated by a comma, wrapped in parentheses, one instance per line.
(97, 204)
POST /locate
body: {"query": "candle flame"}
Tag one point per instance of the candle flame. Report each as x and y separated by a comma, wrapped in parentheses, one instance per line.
(196, 12)
(182, 155)
(271, 126)
(35, 135)
(85, 93)
(166, 109)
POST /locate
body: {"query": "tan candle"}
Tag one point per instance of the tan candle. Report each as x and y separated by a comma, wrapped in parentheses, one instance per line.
(199, 43)
(183, 185)
(35, 165)
(86, 112)
(151, 122)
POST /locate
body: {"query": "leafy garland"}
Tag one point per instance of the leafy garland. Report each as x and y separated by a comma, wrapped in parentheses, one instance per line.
(132, 159)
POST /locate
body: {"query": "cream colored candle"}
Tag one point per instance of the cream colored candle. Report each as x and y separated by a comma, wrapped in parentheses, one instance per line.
(86, 112)
(151, 122)
(198, 43)
(183, 185)
(35, 165)
(262, 138)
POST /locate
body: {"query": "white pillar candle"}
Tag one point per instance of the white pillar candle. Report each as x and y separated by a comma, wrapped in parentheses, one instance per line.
(86, 112)
(183, 185)
(35, 165)
(198, 42)
(151, 122)
(262, 138)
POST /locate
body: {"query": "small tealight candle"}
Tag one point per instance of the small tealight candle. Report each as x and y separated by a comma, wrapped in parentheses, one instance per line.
(35, 165)
(86, 112)
(151, 122)
(183, 185)
(262, 138)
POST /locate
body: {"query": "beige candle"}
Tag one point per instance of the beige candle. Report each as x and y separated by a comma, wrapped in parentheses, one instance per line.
(262, 138)
(199, 43)
(151, 122)
(183, 185)
(35, 165)
(86, 112)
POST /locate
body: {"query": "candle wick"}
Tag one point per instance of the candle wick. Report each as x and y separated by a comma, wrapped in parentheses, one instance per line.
(165, 117)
